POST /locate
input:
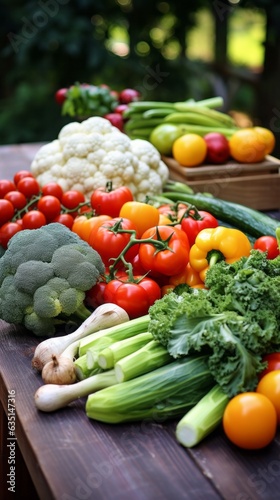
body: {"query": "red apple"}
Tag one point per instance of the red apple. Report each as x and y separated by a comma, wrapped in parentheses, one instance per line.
(115, 119)
(129, 95)
(120, 108)
(217, 148)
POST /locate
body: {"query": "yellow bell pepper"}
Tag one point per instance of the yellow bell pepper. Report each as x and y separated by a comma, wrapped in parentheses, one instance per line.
(215, 244)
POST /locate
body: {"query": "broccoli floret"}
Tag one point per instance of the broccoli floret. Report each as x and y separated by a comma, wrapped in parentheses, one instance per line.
(44, 275)
(76, 261)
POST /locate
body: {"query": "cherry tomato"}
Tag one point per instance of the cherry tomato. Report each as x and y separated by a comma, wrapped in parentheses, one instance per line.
(7, 231)
(53, 189)
(6, 211)
(17, 199)
(109, 242)
(269, 386)
(250, 420)
(169, 261)
(65, 219)
(72, 198)
(28, 186)
(273, 363)
(33, 220)
(50, 206)
(5, 187)
(141, 214)
(109, 201)
(21, 174)
(83, 225)
(267, 244)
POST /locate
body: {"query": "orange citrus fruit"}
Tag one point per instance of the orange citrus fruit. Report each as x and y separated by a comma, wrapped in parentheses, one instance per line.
(189, 150)
(251, 145)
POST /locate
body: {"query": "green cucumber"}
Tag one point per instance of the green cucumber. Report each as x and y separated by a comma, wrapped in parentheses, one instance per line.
(246, 219)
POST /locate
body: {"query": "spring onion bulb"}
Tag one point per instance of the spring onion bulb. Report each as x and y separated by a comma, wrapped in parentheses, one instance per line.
(103, 317)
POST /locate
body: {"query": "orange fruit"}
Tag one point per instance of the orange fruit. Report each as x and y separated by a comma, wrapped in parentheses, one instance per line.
(189, 150)
(251, 145)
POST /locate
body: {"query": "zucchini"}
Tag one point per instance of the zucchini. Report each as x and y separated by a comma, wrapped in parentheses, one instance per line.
(246, 219)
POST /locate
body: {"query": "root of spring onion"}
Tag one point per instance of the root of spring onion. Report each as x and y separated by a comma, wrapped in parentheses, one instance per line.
(103, 317)
(52, 397)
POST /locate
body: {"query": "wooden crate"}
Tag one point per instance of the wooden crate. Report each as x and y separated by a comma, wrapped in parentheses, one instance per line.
(256, 185)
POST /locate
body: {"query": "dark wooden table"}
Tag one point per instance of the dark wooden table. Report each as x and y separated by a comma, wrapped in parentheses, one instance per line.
(66, 456)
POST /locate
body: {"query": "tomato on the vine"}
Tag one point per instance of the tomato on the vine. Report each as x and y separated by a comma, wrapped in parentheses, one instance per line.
(72, 198)
(7, 231)
(109, 242)
(6, 211)
(108, 200)
(29, 186)
(33, 220)
(95, 296)
(194, 221)
(267, 244)
(170, 260)
(53, 189)
(21, 174)
(5, 187)
(250, 420)
(65, 219)
(50, 206)
(134, 298)
(17, 199)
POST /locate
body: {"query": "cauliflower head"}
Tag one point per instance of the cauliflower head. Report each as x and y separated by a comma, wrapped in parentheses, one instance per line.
(87, 155)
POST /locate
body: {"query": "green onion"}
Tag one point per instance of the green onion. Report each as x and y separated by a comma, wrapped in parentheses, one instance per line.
(108, 357)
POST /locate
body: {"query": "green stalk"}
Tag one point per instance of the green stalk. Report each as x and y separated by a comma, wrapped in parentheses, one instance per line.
(93, 351)
(151, 356)
(203, 418)
(117, 332)
(161, 394)
(108, 357)
(82, 370)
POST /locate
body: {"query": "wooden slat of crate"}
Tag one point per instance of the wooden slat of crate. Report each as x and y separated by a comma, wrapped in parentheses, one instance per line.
(255, 185)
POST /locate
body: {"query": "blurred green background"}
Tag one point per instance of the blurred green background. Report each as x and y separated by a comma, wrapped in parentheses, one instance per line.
(168, 50)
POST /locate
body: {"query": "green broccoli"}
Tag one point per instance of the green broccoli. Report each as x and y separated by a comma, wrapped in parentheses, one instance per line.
(235, 320)
(44, 274)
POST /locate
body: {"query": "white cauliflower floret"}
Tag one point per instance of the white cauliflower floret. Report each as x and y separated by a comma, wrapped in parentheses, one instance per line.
(87, 155)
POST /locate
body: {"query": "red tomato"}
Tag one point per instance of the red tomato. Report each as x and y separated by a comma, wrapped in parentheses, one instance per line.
(65, 219)
(5, 187)
(267, 244)
(53, 189)
(195, 221)
(17, 199)
(7, 231)
(28, 186)
(95, 296)
(109, 241)
(134, 298)
(169, 261)
(6, 211)
(273, 363)
(269, 386)
(33, 220)
(50, 206)
(109, 201)
(21, 174)
(72, 198)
